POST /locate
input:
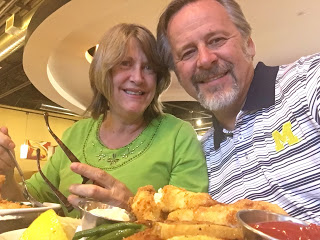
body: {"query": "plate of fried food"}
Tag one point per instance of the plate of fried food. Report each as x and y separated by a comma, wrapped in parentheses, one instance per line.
(21, 214)
(14, 208)
(15, 215)
(176, 214)
(48, 225)
(12, 235)
(171, 213)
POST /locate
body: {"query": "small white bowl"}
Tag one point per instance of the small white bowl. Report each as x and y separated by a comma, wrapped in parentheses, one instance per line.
(91, 220)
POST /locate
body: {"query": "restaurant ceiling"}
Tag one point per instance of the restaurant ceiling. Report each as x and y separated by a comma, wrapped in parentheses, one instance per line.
(282, 31)
(17, 91)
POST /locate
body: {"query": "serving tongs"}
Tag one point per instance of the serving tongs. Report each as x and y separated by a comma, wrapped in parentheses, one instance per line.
(56, 192)
(25, 191)
(66, 150)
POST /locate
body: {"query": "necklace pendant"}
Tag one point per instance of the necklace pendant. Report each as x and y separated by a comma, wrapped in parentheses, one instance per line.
(113, 159)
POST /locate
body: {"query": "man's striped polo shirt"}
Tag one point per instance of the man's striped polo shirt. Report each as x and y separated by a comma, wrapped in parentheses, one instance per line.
(274, 154)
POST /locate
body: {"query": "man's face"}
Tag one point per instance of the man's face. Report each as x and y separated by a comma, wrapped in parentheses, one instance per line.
(212, 60)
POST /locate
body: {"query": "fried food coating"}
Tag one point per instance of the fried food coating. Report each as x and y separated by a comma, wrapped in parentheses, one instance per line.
(190, 237)
(143, 205)
(177, 214)
(168, 230)
(4, 204)
(174, 198)
(147, 205)
(218, 214)
(222, 214)
(144, 235)
(258, 205)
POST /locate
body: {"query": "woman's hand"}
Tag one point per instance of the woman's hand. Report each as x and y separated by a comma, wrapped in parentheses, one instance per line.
(105, 188)
(6, 164)
(10, 189)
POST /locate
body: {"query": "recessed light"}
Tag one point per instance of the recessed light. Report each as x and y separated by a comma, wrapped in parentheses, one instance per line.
(90, 53)
(199, 122)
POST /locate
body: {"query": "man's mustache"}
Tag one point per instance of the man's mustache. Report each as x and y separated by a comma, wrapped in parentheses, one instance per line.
(203, 75)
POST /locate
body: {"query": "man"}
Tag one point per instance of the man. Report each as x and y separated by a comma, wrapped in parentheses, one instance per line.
(265, 140)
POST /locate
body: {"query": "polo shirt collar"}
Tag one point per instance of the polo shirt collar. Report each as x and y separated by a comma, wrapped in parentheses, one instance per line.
(261, 93)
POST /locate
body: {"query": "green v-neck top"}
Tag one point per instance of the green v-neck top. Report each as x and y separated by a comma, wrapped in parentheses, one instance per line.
(166, 152)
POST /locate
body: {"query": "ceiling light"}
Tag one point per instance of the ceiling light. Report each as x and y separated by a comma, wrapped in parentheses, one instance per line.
(13, 24)
(199, 122)
(14, 46)
(56, 109)
(90, 53)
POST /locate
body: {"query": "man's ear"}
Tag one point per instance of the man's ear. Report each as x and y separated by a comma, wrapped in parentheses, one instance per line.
(251, 48)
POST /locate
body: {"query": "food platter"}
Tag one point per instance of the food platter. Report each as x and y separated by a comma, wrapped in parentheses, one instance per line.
(12, 219)
(12, 235)
(20, 211)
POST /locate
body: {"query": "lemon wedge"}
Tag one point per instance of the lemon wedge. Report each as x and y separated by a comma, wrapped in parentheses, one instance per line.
(46, 226)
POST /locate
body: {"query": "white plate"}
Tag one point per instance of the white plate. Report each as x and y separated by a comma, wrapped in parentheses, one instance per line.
(53, 206)
(12, 235)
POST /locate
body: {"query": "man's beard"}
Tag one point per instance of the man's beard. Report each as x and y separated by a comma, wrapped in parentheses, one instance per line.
(216, 98)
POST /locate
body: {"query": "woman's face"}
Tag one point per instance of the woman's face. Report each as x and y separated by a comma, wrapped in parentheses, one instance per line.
(134, 83)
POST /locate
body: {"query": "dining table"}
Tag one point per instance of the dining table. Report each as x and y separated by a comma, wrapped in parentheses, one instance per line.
(14, 222)
(14, 219)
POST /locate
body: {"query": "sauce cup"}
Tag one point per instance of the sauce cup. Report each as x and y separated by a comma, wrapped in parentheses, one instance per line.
(246, 217)
(96, 213)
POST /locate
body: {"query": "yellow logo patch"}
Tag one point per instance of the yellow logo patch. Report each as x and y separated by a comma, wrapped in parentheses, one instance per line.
(285, 136)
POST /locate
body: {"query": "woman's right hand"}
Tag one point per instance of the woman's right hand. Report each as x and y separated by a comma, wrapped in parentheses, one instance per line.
(10, 189)
(6, 164)
(105, 188)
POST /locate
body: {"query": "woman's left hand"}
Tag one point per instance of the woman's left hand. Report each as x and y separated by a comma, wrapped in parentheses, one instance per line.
(105, 188)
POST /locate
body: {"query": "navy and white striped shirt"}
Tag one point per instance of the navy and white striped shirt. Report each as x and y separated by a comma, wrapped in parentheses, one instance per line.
(274, 154)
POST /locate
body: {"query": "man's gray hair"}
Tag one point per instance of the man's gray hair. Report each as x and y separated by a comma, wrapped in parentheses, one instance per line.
(232, 7)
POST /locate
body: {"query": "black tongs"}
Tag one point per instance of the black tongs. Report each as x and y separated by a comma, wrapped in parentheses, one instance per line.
(58, 194)
(66, 150)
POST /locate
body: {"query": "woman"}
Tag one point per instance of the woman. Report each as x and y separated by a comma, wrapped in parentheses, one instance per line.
(128, 142)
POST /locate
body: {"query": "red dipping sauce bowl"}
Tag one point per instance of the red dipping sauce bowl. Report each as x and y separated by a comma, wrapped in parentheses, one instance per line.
(264, 225)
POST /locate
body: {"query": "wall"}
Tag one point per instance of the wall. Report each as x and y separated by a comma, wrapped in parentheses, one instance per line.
(28, 124)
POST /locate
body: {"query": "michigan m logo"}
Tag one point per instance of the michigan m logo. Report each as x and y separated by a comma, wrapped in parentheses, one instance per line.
(285, 136)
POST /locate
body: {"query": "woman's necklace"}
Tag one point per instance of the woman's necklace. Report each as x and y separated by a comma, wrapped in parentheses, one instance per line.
(112, 159)
(97, 154)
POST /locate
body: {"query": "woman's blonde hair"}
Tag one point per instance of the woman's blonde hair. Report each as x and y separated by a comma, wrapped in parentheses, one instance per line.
(111, 51)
